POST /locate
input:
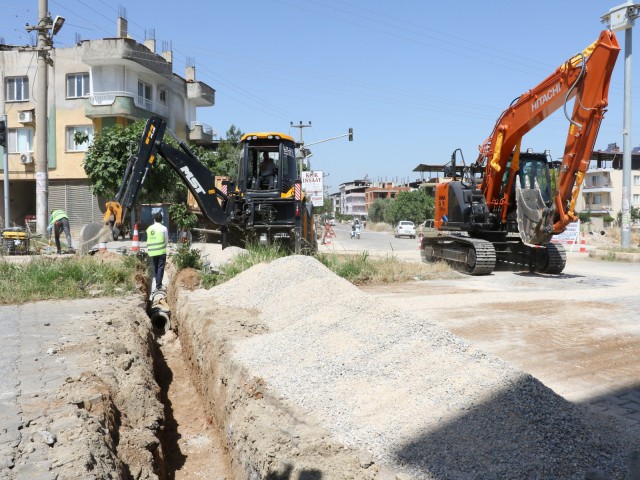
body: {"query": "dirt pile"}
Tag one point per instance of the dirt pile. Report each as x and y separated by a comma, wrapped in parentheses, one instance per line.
(304, 373)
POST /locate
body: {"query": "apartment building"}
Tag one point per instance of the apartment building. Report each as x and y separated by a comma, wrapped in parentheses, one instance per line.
(352, 198)
(601, 192)
(93, 85)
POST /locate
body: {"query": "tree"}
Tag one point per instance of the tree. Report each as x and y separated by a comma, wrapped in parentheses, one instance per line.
(228, 153)
(377, 208)
(106, 160)
(416, 206)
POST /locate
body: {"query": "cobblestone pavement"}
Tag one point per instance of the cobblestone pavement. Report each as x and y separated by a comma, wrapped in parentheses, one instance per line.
(32, 369)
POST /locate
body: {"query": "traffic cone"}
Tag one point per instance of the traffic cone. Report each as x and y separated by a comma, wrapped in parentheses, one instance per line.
(583, 244)
(135, 245)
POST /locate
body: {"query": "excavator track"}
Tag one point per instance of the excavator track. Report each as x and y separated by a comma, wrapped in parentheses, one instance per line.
(469, 255)
(556, 259)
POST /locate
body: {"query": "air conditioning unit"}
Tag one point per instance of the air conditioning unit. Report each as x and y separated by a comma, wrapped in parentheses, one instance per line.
(26, 158)
(25, 116)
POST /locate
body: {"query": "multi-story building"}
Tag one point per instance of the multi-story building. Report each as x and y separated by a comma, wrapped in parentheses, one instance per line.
(93, 85)
(352, 198)
(381, 190)
(601, 193)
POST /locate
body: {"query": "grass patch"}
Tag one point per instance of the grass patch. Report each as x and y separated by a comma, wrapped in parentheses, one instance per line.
(68, 278)
(362, 269)
(253, 255)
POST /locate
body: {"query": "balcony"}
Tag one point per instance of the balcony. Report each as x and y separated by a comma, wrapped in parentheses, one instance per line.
(201, 93)
(604, 187)
(122, 104)
(126, 52)
(598, 208)
(200, 133)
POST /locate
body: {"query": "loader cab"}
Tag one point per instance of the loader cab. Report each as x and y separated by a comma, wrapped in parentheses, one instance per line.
(277, 150)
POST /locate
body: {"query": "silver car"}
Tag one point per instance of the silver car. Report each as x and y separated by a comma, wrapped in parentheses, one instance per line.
(405, 228)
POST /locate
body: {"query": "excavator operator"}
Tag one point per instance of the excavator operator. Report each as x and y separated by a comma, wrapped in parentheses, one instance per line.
(266, 170)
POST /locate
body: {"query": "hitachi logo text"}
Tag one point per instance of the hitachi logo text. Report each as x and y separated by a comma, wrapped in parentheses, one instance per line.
(545, 97)
(192, 180)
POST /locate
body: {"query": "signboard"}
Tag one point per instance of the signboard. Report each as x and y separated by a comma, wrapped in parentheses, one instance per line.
(570, 236)
(313, 186)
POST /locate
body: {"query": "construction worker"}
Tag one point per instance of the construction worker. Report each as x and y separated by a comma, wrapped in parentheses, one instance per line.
(157, 242)
(59, 221)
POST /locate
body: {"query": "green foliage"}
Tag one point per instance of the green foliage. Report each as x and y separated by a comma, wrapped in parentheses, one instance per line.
(181, 217)
(187, 257)
(377, 209)
(252, 256)
(106, 161)
(68, 278)
(585, 217)
(608, 219)
(416, 205)
(228, 153)
(635, 215)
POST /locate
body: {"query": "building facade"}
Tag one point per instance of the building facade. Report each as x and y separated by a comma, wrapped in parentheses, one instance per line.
(601, 193)
(93, 85)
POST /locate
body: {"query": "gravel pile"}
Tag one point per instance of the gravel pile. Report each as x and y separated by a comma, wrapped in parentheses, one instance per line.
(410, 393)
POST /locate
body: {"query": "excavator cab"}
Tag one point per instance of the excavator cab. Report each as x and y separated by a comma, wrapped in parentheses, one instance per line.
(268, 165)
(534, 206)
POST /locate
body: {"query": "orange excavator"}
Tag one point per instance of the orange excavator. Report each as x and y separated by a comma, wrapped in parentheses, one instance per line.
(506, 206)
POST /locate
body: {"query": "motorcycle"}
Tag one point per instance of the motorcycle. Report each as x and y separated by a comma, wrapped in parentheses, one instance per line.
(355, 232)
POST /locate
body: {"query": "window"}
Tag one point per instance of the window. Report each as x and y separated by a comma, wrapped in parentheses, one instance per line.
(636, 180)
(20, 140)
(77, 85)
(72, 146)
(145, 95)
(162, 96)
(594, 181)
(636, 199)
(597, 200)
(17, 89)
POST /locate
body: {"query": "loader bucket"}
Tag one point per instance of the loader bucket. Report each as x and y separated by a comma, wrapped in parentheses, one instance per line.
(535, 219)
(92, 234)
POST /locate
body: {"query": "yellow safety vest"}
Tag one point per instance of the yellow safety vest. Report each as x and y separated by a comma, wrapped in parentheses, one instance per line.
(156, 243)
(57, 215)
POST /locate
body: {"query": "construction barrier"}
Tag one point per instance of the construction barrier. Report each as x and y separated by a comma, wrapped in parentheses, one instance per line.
(583, 244)
(135, 244)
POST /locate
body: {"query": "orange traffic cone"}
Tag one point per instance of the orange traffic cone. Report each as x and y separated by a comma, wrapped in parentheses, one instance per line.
(135, 245)
(583, 245)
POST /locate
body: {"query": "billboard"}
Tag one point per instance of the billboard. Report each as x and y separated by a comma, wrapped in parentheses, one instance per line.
(312, 184)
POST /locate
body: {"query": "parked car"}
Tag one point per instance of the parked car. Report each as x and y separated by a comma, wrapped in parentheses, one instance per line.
(405, 228)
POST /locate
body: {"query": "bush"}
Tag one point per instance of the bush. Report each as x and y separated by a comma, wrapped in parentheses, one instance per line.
(186, 257)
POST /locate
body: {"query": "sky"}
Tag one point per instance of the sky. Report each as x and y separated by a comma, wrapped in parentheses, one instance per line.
(415, 79)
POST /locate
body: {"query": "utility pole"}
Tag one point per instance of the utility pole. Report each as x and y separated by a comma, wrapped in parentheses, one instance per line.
(43, 48)
(619, 18)
(302, 149)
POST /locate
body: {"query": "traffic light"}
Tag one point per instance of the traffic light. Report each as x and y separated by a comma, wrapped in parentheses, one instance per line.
(351, 134)
(3, 134)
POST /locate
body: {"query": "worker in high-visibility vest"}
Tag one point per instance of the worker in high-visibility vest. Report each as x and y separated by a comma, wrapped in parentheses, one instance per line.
(157, 243)
(59, 222)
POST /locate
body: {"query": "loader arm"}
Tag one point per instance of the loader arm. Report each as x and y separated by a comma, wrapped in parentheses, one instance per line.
(585, 76)
(197, 177)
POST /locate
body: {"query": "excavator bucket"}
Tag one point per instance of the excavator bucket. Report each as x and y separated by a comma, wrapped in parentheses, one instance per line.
(535, 219)
(92, 234)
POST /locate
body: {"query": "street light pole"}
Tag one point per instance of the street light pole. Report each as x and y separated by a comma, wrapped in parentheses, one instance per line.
(619, 18)
(45, 27)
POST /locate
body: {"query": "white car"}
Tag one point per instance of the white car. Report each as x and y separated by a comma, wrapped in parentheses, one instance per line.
(405, 228)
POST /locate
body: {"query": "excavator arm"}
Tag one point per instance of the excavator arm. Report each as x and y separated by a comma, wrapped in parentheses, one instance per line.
(586, 77)
(197, 177)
